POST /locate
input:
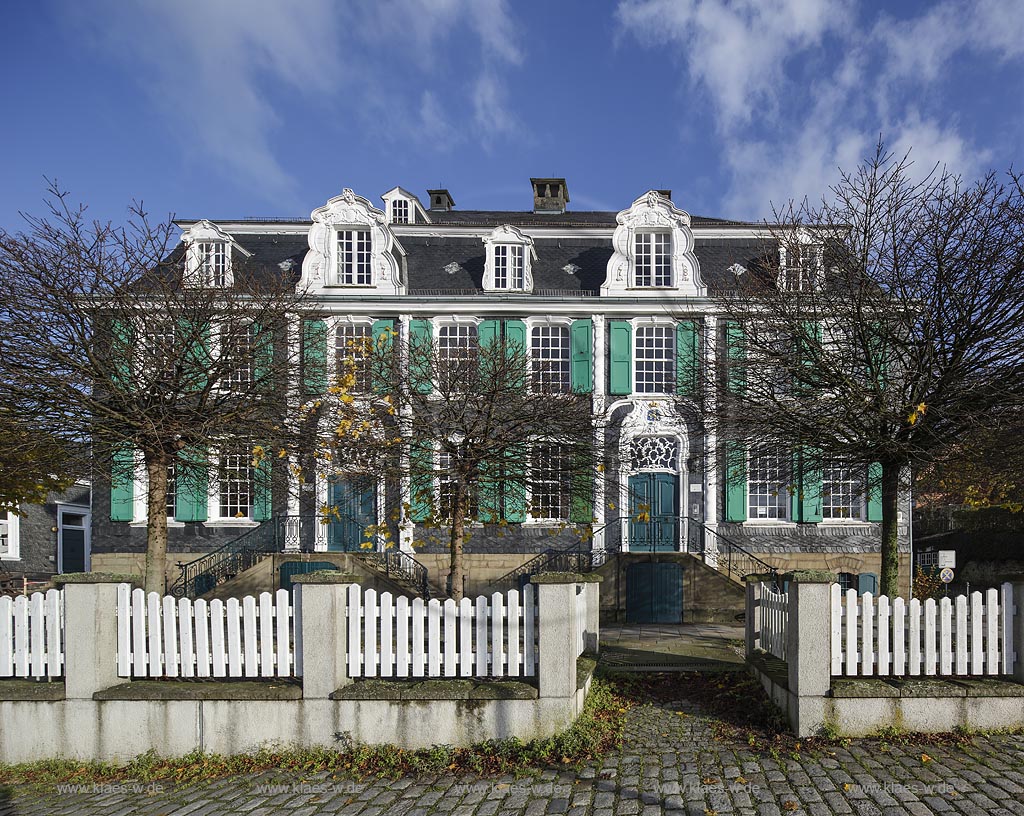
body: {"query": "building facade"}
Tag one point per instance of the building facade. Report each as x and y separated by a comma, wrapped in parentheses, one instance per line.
(619, 305)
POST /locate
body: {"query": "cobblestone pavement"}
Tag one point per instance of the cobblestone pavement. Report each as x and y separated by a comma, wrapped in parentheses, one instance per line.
(671, 762)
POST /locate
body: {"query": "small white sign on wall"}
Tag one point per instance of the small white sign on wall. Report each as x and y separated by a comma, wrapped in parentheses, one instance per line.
(696, 488)
(947, 558)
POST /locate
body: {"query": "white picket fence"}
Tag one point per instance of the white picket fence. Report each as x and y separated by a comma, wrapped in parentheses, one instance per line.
(774, 620)
(481, 637)
(32, 635)
(954, 636)
(178, 637)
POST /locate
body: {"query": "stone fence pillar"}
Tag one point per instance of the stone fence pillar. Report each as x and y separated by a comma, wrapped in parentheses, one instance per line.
(558, 642)
(321, 604)
(1018, 629)
(592, 589)
(808, 647)
(90, 631)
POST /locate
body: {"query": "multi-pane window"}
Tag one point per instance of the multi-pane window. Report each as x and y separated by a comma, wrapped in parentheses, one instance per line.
(213, 261)
(655, 359)
(237, 344)
(768, 483)
(550, 358)
(171, 496)
(448, 486)
(354, 258)
(456, 349)
(399, 211)
(549, 482)
(508, 266)
(846, 580)
(798, 274)
(842, 492)
(235, 481)
(159, 350)
(653, 259)
(8, 534)
(354, 346)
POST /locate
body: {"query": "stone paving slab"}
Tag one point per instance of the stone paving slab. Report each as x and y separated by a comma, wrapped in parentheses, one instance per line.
(671, 762)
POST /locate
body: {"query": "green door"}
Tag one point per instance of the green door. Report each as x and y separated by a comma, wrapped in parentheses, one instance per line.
(654, 512)
(352, 507)
(654, 593)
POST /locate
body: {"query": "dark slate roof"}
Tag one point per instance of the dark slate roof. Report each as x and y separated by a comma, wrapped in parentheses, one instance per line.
(570, 218)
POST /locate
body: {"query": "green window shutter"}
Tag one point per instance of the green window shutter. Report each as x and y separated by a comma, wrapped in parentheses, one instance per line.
(620, 357)
(581, 336)
(195, 339)
(488, 332)
(687, 358)
(263, 508)
(581, 494)
(192, 487)
(867, 582)
(122, 484)
(734, 340)
(121, 352)
(735, 481)
(807, 344)
(421, 349)
(515, 484)
(878, 363)
(515, 345)
(263, 356)
(806, 497)
(314, 356)
(421, 481)
(384, 332)
(875, 491)
(489, 492)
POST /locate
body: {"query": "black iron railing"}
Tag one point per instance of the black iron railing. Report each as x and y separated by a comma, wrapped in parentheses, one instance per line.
(401, 567)
(224, 563)
(733, 559)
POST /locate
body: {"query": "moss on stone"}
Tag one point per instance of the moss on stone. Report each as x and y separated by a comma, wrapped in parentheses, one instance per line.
(369, 690)
(326, 577)
(990, 687)
(96, 578)
(219, 689)
(438, 690)
(809, 577)
(566, 578)
(923, 687)
(503, 690)
(861, 687)
(585, 665)
(16, 690)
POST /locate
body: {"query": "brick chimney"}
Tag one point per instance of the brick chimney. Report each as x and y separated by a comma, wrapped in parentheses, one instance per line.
(550, 195)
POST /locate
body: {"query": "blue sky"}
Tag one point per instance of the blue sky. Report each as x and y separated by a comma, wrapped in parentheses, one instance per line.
(225, 108)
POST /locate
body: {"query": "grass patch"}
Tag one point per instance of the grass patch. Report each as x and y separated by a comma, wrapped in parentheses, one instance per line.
(597, 731)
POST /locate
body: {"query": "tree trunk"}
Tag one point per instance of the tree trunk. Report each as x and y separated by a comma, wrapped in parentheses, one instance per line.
(156, 524)
(457, 569)
(889, 578)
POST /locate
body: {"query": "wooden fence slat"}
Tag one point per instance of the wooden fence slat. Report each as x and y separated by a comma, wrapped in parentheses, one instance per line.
(498, 635)
(370, 623)
(21, 654)
(450, 611)
(140, 656)
(418, 641)
(914, 636)
(124, 631)
(354, 612)
(899, 642)
(170, 640)
(36, 635)
(387, 615)
(265, 614)
(434, 638)
(529, 631)
(962, 635)
(945, 636)
(233, 613)
(835, 626)
(884, 647)
(482, 650)
(249, 635)
(296, 629)
(283, 621)
(512, 634)
(185, 621)
(977, 644)
(466, 654)
(201, 619)
(155, 632)
(929, 636)
(992, 661)
(6, 637)
(867, 639)
(217, 640)
(1006, 642)
(852, 655)
(402, 663)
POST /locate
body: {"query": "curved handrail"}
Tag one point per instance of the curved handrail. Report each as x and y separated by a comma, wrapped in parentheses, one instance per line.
(738, 562)
(210, 569)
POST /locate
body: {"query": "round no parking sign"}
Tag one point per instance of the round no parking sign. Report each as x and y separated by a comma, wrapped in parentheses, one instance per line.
(946, 575)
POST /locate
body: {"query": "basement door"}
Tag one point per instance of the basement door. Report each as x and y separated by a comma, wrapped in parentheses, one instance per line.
(654, 593)
(654, 512)
(352, 507)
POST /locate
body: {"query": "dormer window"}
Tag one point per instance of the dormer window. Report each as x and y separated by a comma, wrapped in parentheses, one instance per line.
(353, 258)
(653, 259)
(508, 265)
(799, 266)
(400, 211)
(214, 261)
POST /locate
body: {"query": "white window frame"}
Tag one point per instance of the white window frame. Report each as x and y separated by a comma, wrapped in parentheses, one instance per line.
(564, 324)
(813, 271)
(334, 364)
(214, 518)
(360, 238)
(449, 322)
(474, 498)
(858, 493)
(670, 327)
(785, 466)
(530, 474)
(12, 550)
(655, 237)
(505, 237)
(400, 211)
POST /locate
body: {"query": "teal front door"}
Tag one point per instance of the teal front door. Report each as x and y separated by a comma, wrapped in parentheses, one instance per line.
(352, 507)
(653, 512)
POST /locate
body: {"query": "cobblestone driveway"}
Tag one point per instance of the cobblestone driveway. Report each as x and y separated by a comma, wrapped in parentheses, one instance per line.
(671, 762)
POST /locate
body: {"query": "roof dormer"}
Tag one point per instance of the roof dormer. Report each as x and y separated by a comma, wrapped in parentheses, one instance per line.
(403, 207)
(208, 255)
(440, 201)
(352, 248)
(508, 266)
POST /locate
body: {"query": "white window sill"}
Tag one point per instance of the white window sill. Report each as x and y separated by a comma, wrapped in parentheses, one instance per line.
(841, 522)
(769, 522)
(350, 286)
(9, 557)
(544, 522)
(242, 522)
(170, 523)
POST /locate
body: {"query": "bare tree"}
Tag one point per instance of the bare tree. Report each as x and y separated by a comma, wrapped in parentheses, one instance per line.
(885, 326)
(478, 420)
(34, 463)
(113, 342)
